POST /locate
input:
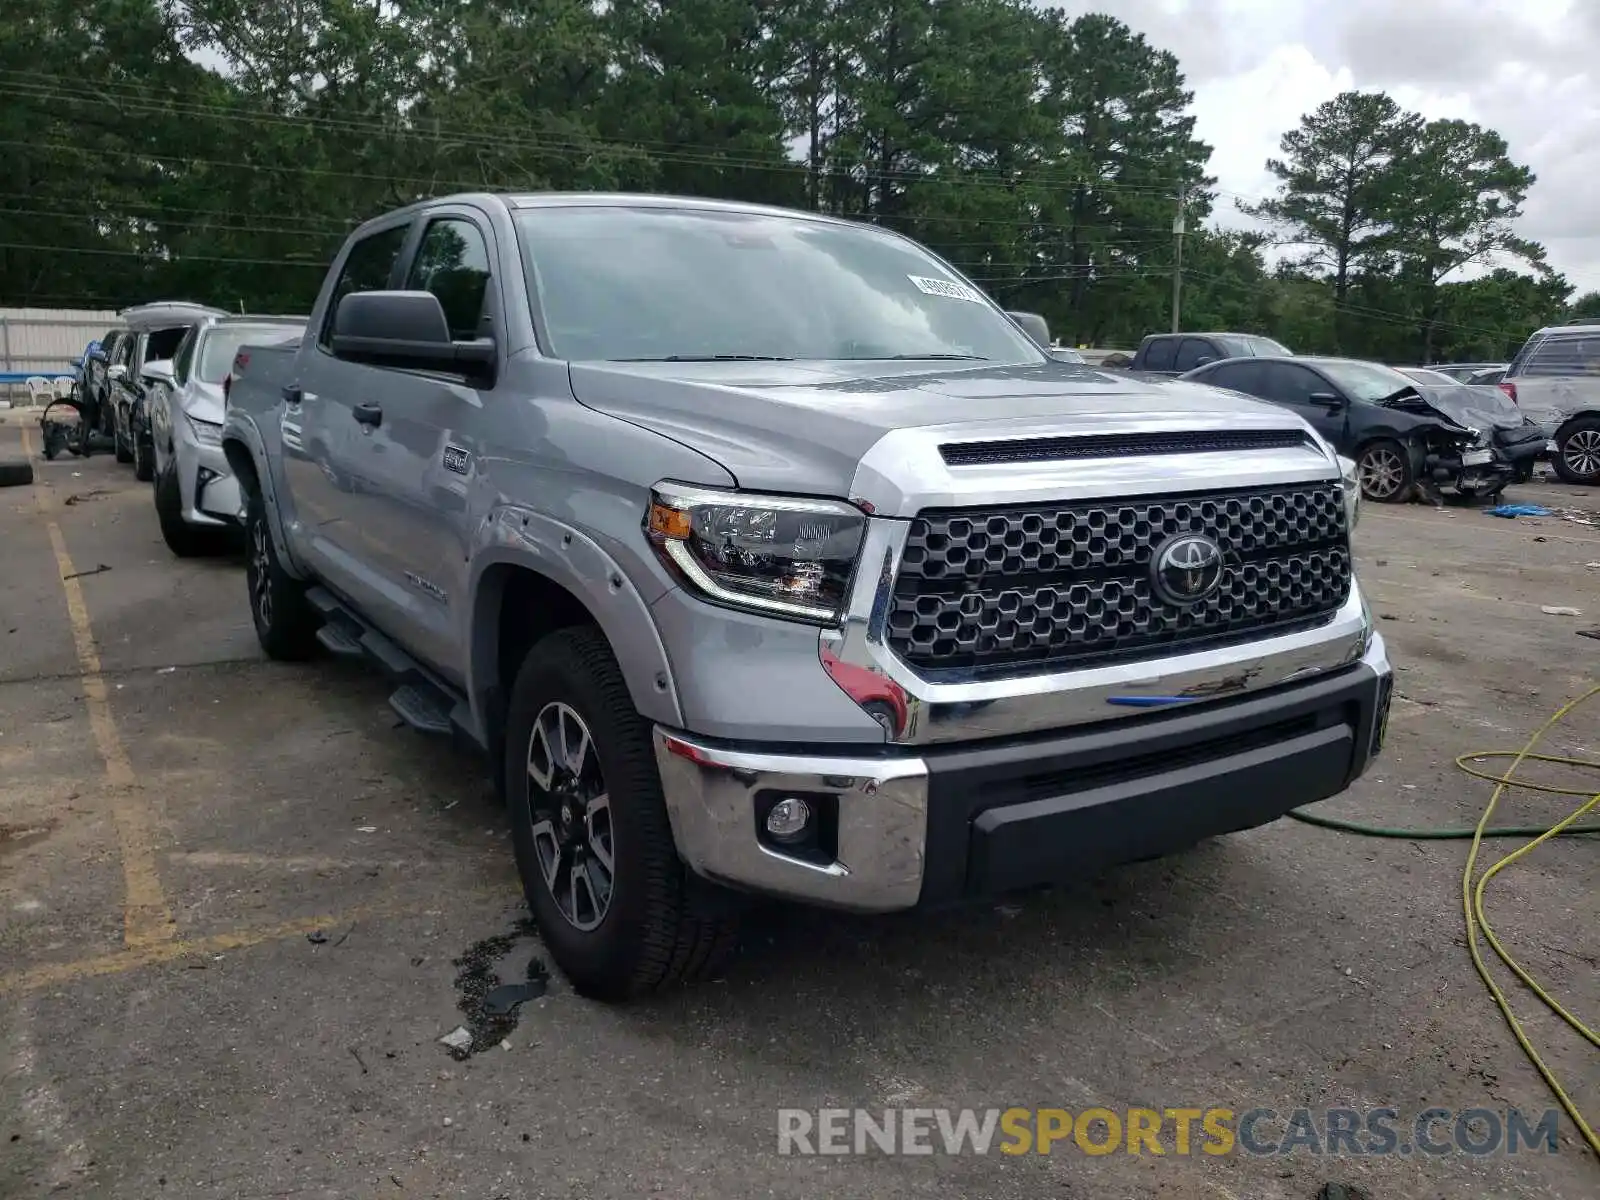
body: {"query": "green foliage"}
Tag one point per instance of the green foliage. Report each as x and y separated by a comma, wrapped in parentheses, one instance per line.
(219, 151)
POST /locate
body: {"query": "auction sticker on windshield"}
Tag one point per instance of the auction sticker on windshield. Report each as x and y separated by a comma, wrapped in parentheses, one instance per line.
(945, 287)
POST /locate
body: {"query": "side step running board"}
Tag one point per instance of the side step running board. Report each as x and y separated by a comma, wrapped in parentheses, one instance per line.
(420, 699)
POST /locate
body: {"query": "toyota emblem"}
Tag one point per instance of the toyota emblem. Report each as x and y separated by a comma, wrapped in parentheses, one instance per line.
(1187, 569)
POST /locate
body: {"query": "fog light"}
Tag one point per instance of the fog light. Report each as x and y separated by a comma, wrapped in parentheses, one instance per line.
(788, 819)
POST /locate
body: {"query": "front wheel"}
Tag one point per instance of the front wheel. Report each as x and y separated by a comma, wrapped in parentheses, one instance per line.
(1577, 456)
(1384, 469)
(286, 624)
(621, 914)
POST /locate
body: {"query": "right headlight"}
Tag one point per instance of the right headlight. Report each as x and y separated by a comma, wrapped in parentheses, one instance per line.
(778, 555)
(1351, 475)
(207, 433)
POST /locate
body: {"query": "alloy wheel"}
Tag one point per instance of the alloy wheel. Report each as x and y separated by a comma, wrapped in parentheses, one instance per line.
(571, 813)
(1582, 451)
(261, 567)
(1382, 472)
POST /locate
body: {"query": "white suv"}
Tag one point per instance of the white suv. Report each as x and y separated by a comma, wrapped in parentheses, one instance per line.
(197, 498)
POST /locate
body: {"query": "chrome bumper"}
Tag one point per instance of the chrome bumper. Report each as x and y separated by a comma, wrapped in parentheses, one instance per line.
(894, 810)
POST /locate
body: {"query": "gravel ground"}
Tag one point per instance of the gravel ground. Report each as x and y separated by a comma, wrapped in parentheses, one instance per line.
(238, 907)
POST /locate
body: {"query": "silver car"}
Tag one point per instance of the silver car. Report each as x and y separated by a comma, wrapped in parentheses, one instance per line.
(197, 498)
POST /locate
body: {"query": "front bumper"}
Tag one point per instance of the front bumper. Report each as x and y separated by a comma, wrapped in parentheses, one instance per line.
(953, 823)
(210, 492)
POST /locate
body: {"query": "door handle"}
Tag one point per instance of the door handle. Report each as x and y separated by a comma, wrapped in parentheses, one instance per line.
(293, 393)
(368, 414)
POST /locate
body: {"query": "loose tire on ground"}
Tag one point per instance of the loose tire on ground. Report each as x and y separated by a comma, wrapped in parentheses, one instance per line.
(1577, 454)
(15, 472)
(662, 925)
(286, 624)
(183, 539)
(1384, 469)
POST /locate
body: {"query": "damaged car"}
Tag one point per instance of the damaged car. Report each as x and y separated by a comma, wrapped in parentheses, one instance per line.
(1406, 435)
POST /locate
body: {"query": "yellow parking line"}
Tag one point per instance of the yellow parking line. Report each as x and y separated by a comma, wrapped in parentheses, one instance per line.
(146, 918)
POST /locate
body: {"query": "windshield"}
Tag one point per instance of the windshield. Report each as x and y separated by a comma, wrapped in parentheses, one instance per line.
(1365, 381)
(660, 284)
(1248, 345)
(223, 342)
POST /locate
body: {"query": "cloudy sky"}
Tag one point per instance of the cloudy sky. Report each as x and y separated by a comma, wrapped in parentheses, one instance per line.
(1529, 68)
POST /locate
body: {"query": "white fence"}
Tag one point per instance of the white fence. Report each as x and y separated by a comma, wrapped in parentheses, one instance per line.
(45, 341)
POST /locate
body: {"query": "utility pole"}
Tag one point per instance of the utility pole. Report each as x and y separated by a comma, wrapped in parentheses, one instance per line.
(1177, 265)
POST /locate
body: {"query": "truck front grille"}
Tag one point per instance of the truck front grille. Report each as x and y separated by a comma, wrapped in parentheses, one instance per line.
(1036, 587)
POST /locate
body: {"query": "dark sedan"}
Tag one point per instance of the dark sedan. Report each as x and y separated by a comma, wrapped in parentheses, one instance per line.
(1404, 435)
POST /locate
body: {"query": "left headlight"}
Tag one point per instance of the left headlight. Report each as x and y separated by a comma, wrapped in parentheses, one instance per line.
(207, 433)
(1351, 475)
(782, 556)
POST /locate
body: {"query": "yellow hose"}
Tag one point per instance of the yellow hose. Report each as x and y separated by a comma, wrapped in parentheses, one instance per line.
(1472, 901)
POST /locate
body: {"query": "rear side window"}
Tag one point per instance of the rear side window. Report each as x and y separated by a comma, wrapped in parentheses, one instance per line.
(1240, 377)
(453, 263)
(1559, 355)
(1158, 354)
(1190, 352)
(367, 268)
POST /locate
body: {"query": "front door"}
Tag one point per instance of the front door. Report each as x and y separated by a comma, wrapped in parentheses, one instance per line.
(423, 452)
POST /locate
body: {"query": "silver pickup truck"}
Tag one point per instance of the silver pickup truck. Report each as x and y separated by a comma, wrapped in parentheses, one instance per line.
(761, 552)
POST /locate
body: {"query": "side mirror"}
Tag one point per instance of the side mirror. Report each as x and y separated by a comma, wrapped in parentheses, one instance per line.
(405, 329)
(1205, 359)
(159, 371)
(1327, 400)
(1035, 326)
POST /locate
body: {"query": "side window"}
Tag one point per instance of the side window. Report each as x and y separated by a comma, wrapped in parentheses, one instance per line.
(453, 263)
(1190, 352)
(1240, 377)
(1290, 384)
(1564, 356)
(366, 269)
(1158, 354)
(184, 359)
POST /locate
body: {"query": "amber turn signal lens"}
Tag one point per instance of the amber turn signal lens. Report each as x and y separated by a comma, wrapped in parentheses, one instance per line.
(671, 523)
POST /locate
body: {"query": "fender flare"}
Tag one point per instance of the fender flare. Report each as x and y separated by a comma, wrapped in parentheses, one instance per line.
(244, 435)
(578, 564)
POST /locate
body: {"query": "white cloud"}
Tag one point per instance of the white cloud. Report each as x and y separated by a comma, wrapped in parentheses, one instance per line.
(1523, 67)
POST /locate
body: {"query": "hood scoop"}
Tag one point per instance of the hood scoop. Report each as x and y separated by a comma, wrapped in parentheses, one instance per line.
(1118, 445)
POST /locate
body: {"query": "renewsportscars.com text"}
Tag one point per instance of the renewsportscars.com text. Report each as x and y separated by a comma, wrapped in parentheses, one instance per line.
(1171, 1131)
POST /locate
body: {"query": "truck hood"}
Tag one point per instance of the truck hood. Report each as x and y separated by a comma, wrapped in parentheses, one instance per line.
(804, 427)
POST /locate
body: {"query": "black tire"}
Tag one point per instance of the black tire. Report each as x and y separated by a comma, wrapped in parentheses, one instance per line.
(662, 925)
(183, 539)
(122, 449)
(286, 624)
(15, 472)
(1384, 468)
(144, 460)
(1577, 454)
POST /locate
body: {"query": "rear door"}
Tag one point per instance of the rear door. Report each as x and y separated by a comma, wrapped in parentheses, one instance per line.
(424, 453)
(326, 468)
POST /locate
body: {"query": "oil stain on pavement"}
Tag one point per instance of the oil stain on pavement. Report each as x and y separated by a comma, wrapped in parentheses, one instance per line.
(490, 1006)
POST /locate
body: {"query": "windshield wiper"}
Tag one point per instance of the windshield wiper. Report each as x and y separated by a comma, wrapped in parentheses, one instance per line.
(711, 358)
(913, 357)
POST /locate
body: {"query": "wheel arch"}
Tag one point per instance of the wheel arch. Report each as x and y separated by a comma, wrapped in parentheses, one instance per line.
(520, 592)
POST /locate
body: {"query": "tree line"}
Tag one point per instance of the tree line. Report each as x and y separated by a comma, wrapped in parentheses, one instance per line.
(220, 150)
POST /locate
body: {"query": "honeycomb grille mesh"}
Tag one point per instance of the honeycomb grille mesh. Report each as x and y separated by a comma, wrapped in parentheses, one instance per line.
(1050, 586)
